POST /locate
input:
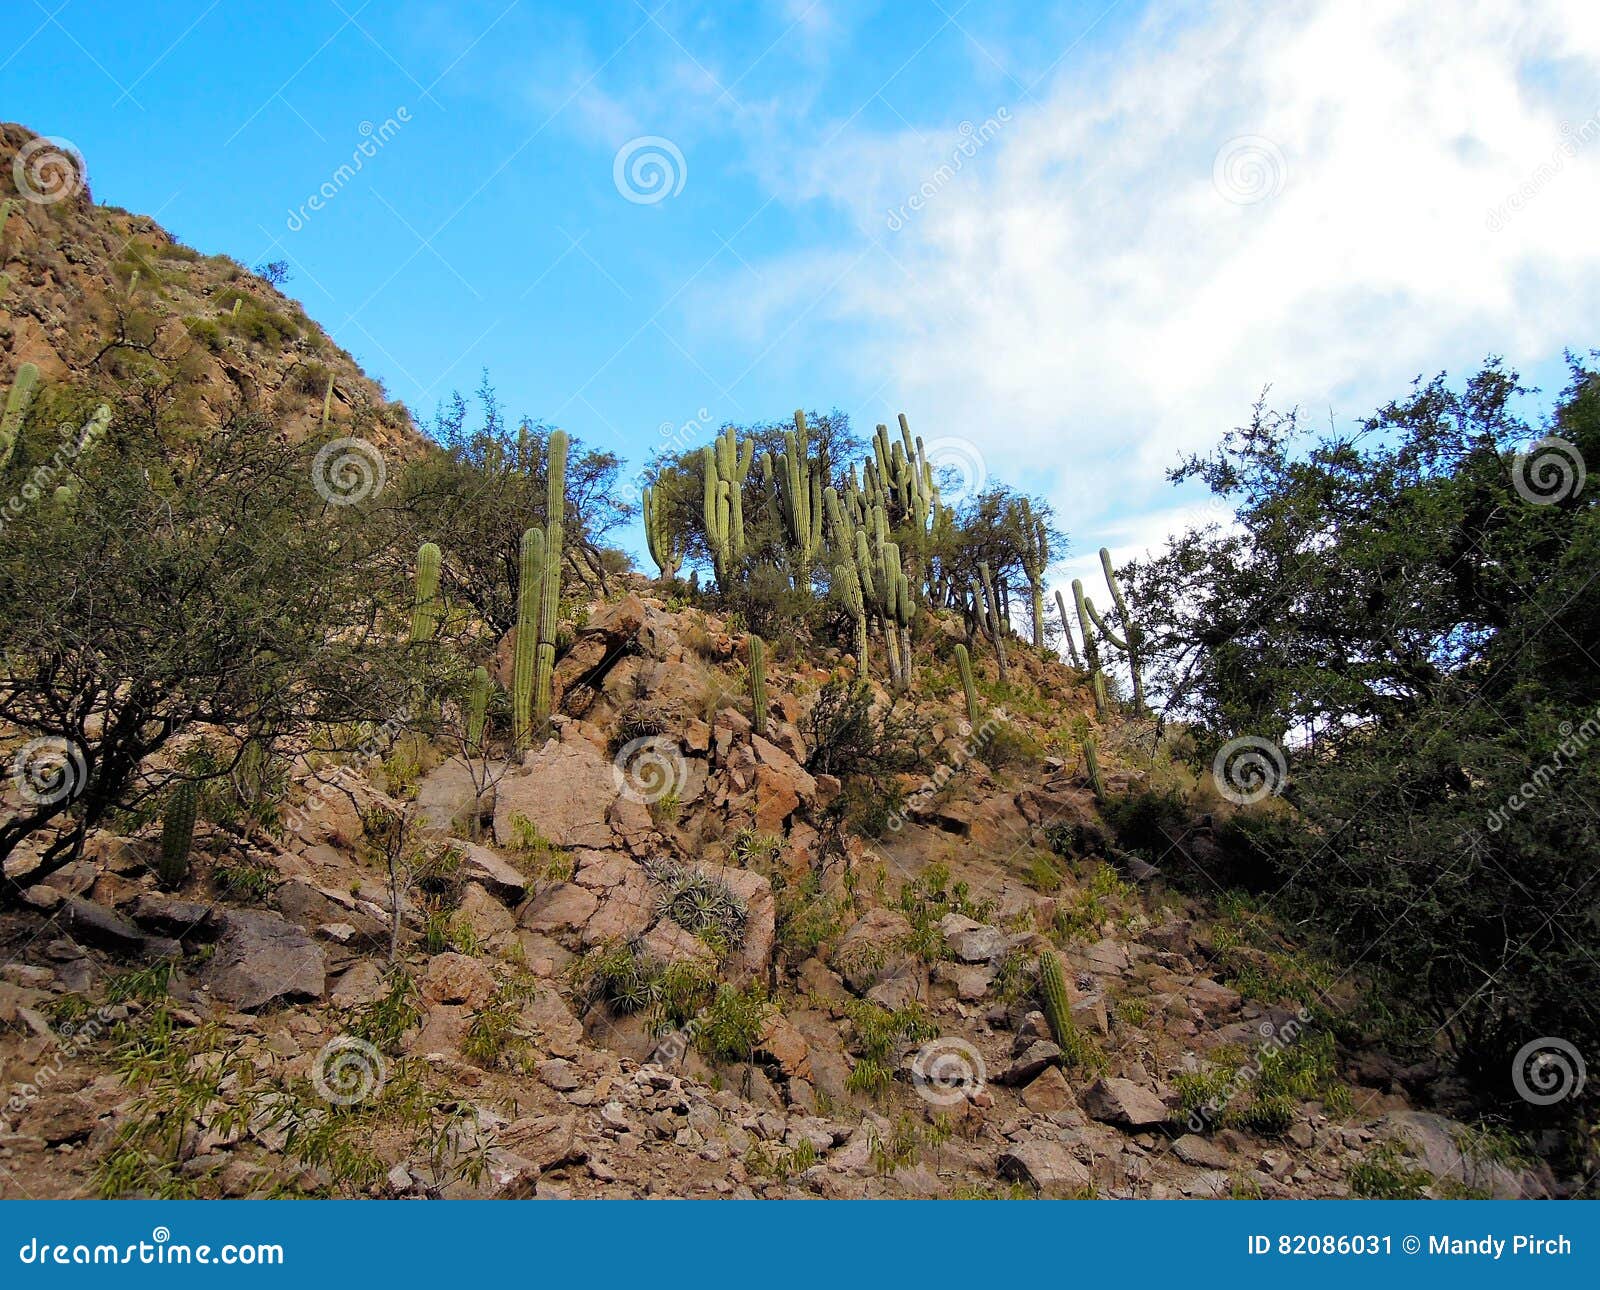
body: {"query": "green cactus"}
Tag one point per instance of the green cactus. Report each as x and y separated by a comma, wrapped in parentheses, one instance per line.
(1066, 630)
(478, 708)
(1091, 649)
(1129, 642)
(177, 834)
(426, 606)
(964, 663)
(799, 496)
(666, 546)
(1057, 1008)
(1091, 761)
(758, 684)
(327, 403)
(990, 618)
(22, 391)
(1034, 538)
(726, 468)
(555, 507)
(526, 647)
(847, 582)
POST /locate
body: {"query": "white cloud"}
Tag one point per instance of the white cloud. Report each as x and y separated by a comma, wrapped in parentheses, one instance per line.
(1083, 301)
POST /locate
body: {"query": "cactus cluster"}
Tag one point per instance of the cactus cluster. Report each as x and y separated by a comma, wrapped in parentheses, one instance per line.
(665, 543)
(1091, 619)
(726, 467)
(177, 834)
(1033, 537)
(800, 502)
(17, 401)
(533, 657)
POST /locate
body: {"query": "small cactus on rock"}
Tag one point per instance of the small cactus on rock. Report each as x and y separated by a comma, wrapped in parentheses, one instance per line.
(425, 607)
(22, 390)
(1057, 1009)
(177, 834)
(964, 663)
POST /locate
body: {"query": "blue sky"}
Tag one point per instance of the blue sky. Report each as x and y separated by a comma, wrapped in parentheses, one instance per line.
(1128, 219)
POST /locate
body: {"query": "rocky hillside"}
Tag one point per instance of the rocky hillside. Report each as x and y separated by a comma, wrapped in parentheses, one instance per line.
(75, 276)
(839, 944)
(865, 1019)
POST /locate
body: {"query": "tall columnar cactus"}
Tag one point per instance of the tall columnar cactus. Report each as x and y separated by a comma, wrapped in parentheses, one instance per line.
(1034, 538)
(426, 606)
(22, 391)
(666, 546)
(478, 708)
(990, 617)
(1129, 641)
(177, 834)
(525, 651)
(1091, 762)
(727, 466)
(555, 508)
(1091, 649)
(1066, 630)
(327, 403)
(758, 684)
(847, 581)
(799, 495)
(1057, 1008)
(964, 663)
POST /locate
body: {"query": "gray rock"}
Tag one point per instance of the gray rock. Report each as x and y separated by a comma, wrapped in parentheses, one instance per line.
(1201, 1152)
(1049, 1166)
(1122, 1102)
(970, 941)
(187, 920)
(1030, 1062)
(499, 877)
(261, 957)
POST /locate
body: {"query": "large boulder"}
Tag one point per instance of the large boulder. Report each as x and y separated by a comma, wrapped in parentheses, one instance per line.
(261, 957)
(564, 790)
